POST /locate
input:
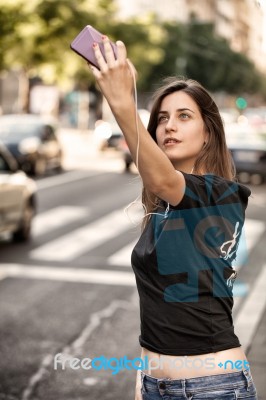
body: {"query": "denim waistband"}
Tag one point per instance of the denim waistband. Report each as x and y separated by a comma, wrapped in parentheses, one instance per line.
(234, 380)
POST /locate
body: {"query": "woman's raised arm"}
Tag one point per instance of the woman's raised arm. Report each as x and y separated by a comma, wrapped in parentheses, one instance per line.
(116, 81)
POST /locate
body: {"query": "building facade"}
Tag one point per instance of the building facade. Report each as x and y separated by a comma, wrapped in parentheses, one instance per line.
(241, 22)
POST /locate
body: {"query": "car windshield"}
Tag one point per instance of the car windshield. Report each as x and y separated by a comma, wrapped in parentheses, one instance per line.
(19, 130)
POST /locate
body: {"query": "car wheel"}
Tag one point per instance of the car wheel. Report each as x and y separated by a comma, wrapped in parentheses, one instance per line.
(22, 234)
(39, 167)
(59, 166)
(127, 166)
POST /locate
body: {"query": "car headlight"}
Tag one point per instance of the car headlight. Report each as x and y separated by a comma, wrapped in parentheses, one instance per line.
(29, 145)
(103, 130)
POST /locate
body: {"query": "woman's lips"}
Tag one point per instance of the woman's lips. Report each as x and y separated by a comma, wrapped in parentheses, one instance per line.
(171, 142)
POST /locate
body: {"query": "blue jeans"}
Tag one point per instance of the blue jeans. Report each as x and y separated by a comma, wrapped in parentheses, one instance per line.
(230, 386)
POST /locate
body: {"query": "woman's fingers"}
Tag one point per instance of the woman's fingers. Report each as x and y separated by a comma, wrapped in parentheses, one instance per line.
(121, 52)
(109, 60)
(108, 52)
(95, 71)
(99, 57)
(110, 57)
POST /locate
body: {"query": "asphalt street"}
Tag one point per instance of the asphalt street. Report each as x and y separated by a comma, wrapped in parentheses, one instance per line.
(70, 292)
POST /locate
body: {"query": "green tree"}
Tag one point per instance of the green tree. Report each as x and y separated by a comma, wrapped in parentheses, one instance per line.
(144, 39)
(11, 16)
(195, 51)
(35, 36)
(211, 61)
(173, 61)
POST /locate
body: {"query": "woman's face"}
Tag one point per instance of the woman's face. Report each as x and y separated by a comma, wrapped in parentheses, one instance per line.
(180, 131)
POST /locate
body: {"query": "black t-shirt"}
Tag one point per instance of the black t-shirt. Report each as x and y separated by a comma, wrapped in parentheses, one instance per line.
(183, 268)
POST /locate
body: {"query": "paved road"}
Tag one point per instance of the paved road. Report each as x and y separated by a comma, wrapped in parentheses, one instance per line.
(71, 289)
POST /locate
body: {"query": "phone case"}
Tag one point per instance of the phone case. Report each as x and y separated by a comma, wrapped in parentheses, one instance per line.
(83, 43)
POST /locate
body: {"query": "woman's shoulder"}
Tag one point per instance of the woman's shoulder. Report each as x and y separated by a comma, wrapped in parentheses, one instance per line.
(214, 180)
(209, 188)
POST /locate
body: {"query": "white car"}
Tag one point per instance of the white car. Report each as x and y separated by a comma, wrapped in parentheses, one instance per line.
(17, 198)
(107, 134)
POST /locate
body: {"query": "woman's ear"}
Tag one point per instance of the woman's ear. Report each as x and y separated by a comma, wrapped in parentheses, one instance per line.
(206, 139)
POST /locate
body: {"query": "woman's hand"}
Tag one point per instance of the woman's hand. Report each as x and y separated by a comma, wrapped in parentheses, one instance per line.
(138, 395)
(115, 77)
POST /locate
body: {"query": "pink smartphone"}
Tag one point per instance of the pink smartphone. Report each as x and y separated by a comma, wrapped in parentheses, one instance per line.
(82, 44)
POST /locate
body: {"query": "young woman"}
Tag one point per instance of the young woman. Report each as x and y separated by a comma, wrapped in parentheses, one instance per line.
(194, 214)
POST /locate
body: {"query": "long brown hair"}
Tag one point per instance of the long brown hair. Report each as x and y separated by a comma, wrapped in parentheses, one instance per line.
(214, 157)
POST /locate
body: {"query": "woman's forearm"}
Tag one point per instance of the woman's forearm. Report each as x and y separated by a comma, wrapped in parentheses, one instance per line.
(116, 80)
(157, 172)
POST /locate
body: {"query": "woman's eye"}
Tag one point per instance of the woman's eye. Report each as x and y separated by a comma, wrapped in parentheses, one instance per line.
(162, 118)
(184, 116)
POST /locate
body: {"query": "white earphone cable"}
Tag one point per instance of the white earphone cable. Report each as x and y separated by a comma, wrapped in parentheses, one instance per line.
(137, 153)
(136, 112)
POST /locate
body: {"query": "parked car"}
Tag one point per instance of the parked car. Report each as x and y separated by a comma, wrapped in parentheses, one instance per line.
(248, 148)
(32, 141)
(229, 115)
(17, 198)
(255, 116)
(107, 134)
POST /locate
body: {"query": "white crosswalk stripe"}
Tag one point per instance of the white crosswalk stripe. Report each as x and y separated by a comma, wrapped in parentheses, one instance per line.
(54, 273)
(74, 244)
(84, 239)
(57, 217)
(253, 230)
(123, 256)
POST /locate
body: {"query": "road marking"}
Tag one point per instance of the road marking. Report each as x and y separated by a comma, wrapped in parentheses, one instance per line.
(123, 256)
(68, 177)
(91, 381)
(104, 277)
(77, 345)
(81, 240)
(247, 320)
(57, 217)
(36, 378)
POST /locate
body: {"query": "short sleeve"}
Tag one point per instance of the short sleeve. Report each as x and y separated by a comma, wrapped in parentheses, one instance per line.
(211, 190)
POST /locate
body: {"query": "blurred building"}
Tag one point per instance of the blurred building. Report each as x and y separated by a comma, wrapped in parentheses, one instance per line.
(241, 22)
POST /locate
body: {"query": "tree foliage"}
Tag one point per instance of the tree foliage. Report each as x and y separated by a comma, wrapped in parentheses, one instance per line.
(36, 36)
(211, 61)
(194, 51)
(11, 17)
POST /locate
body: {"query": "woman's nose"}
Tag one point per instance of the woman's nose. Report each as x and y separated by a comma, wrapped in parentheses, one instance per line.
(171, 125)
